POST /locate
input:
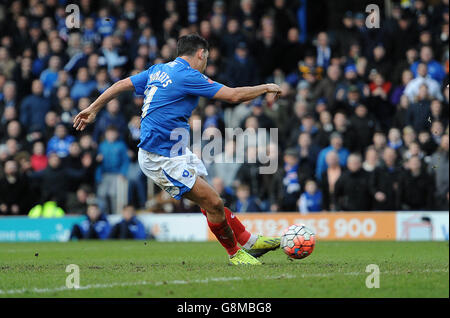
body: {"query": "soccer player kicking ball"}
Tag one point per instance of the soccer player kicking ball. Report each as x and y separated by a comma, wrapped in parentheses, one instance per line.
(171, 94)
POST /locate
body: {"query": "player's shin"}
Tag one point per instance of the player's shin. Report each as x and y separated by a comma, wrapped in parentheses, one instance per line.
(244, 237)
(225, 236)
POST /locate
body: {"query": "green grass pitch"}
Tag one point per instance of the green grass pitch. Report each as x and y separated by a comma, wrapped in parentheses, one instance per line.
(156, 269)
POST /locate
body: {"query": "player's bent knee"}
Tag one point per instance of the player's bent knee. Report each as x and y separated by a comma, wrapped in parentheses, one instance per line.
(216, 206)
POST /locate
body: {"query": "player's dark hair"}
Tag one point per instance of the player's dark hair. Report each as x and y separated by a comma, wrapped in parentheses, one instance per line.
(189, 44)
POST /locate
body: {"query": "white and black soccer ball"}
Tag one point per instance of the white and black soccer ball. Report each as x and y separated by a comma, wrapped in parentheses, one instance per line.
(298, 241)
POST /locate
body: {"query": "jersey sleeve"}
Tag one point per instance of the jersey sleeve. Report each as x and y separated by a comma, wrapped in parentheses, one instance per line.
(197, 84)
(139, 82)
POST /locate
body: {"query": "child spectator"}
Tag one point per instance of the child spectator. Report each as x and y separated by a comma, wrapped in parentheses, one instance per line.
(60, 142)
(38, 158)
(129, 227)
(245, 202)
(311, 199)
(95, 226)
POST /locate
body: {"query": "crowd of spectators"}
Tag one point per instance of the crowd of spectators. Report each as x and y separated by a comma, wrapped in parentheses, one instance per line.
(362, 120)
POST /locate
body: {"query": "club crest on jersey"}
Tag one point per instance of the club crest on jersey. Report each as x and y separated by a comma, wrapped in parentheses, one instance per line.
(210, 81)
(186, 174)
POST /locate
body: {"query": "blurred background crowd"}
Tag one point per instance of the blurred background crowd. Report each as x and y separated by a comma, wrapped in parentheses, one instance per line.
(362, 120)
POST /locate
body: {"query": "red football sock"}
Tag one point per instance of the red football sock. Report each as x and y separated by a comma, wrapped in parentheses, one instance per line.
(225, 236)
(241, 234)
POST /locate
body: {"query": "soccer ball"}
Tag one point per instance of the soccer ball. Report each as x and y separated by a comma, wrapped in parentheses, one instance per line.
(297, 241)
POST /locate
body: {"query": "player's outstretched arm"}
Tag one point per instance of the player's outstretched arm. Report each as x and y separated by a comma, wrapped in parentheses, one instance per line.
(243, 94)
(88, 115)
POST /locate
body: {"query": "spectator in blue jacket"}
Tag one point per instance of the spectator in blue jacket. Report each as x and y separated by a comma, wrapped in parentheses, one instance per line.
(50, 75)
(113, 167)
(34, 108)
(83, 86)
(311, 199)
(60, 142)
(336, 144)
(245, 201)
(110, 117)
(129, 227)
(435, 69)
(95, 226)
(241, 69)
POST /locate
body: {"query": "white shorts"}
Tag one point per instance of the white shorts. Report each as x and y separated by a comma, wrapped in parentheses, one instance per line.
(176, 175)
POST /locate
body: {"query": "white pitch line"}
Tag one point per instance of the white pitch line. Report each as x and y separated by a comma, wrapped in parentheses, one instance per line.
(199, 281)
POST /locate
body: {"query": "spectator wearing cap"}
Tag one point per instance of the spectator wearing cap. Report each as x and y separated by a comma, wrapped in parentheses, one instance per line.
(257, 111)
(347, 35)
(336, 144)
(307, 125)
(241, 69)
(379, 61)
(350, 85)
(359, 19)
(34, 108)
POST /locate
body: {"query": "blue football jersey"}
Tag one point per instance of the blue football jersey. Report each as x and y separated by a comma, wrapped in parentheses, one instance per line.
(171, 93)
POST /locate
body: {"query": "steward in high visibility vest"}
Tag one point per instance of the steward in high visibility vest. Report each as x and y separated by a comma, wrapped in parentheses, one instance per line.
(48, 210)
